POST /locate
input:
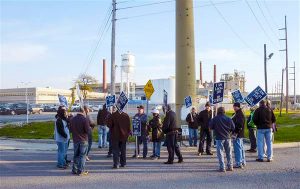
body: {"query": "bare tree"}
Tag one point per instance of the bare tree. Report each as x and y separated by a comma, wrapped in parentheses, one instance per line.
(85, 81)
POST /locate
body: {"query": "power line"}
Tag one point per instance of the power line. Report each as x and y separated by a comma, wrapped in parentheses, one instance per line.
(173, 10)
(232, 29)
(260, 25)
(143, 5)
(100, 39)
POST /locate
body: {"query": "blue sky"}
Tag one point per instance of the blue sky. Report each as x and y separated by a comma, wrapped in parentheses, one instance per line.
(49, 42)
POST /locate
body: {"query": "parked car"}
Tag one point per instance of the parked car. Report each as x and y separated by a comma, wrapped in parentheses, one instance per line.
(6, 110)
(48, 108)
(20, 108)
(36, 108)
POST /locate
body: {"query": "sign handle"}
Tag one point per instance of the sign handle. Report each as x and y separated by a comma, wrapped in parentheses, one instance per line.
(136, 147)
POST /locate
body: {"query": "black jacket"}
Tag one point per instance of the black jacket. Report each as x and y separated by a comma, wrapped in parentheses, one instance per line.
(169, 123)
(239, 122)
(102, 117)
(194, 124)
(264, 117)
(156, 127)
(60, 127)
(204, 118)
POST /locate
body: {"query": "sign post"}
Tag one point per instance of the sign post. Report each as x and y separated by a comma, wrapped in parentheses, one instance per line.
(149, 90)
(255, 96)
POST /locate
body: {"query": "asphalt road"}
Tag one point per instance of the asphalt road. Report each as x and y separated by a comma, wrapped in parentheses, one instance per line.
(36, 169)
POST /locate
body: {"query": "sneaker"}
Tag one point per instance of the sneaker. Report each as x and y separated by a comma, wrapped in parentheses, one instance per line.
(84, 173)
(265, 156)
(222, 170)
(238, 167)
(134, 156)
(87, 158)
(62, 167)
(269, 160)
(259, 160)
(251, 151)
(123, 166)
(180, 161)
(68, 161)
(209, 153)
(115, 167)
(229, 169)
(74, 172)
(154, 158)
(168, 162)
(200, 153)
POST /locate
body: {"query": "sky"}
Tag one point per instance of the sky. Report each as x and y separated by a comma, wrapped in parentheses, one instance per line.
(50, 43)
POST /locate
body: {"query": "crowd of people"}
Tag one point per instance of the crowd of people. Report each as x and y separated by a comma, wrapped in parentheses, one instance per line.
(114, 130)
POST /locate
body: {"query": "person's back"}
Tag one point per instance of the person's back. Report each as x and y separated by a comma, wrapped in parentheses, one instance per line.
(263, 117)
(169, 123)
(79, 127)
(223, 126)
(120, 126)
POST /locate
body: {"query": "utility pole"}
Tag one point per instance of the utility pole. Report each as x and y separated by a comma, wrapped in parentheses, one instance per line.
(281, 95)
(113, 49)
(265, 67)
(294, 78)
(286, 67)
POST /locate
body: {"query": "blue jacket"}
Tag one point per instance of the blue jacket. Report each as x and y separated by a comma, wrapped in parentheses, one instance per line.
(223, 126)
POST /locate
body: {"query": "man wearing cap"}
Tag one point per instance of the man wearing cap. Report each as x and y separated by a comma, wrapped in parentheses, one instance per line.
(204, 118)
(170, 129)
(238, 135)
(143, 139)
(155, 126)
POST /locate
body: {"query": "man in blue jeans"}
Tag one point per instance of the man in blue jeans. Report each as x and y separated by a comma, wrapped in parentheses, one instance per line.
(264, 118)
(80, 128)
(238, 135)
(192, 121)
(102, 126)
(223, 127)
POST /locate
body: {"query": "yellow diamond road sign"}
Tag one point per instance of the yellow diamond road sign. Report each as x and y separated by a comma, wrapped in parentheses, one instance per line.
(148, 89)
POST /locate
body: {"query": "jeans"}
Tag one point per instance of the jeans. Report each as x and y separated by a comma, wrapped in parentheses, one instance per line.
(102, 135)
(80, 150)
(119, 152)
(208, 134)
(221, 146)
(264, 135)
(252, 137)
(156, 149)
(62, 148)
(239, 152)
(142, 140)
(193, 135)
(90, 142)
(173, 147)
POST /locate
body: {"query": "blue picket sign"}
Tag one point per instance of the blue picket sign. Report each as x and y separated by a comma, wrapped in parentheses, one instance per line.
(255, 96)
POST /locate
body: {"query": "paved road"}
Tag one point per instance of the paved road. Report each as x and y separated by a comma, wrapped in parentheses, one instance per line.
(36, 169)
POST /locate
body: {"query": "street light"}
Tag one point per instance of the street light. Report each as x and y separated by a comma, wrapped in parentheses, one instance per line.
(26, 98)
(265, 67)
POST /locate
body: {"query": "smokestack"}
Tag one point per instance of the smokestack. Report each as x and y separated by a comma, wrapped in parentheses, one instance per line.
(201, 81)
(215, 73)
(104, 77)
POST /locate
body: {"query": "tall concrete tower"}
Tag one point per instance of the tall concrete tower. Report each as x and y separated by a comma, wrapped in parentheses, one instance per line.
(185, 55)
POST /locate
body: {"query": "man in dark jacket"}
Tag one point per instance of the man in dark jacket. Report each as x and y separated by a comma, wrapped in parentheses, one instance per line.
(143, 139)
(155, 126)
(119, 125)
(102, 126)
(204, 118)
(192, 121)
(170, 129)
(80, 128)
(223, 127)
(264, 119)
(238, 145)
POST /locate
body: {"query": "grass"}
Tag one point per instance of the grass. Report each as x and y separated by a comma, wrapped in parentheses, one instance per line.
(288, 129)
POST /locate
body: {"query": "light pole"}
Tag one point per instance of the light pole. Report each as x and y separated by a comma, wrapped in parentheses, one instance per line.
(265, 67)
(26, 98)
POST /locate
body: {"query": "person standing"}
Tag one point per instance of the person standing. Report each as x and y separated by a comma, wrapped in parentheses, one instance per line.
(155, 126)
(204, 118)
(170, 129)
(80, 128)
(61, 136)
(238, 135)
(223, 126)
(252, 131)
(143, 139)
(264, 119)
(90, 134)
(102, 126)
(192, 121)
(119, 125)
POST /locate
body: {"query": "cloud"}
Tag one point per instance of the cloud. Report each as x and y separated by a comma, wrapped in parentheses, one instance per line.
(22, 53)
